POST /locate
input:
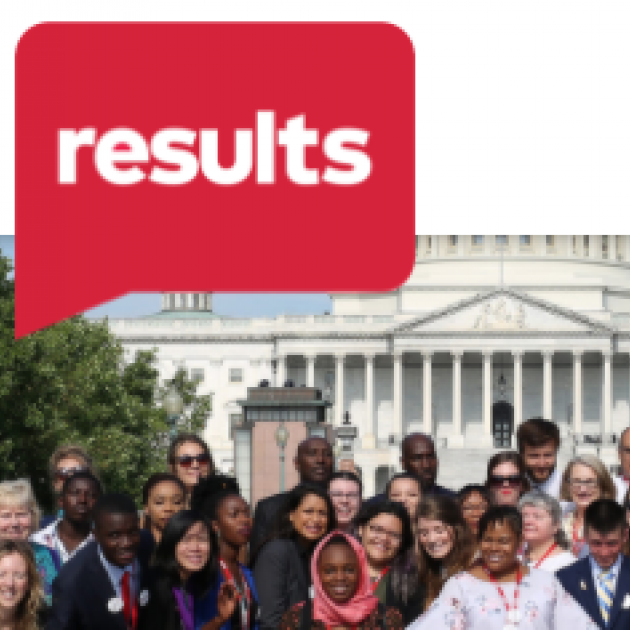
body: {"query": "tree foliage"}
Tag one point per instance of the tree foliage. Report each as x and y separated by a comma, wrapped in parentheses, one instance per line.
(70, 383)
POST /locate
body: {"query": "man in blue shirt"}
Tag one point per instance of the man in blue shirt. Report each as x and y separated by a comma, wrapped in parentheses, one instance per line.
(601, 581)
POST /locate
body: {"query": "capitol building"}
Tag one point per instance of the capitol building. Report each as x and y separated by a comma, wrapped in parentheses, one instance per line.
(486, 332)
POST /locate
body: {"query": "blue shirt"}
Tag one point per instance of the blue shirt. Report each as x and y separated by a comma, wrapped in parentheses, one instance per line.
(206, 607)
(596, 572)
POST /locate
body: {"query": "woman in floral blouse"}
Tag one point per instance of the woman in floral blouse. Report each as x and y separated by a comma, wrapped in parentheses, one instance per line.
(343, 598)
(499, 593)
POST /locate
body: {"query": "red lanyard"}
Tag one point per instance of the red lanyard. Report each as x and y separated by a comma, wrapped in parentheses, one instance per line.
(246, 599)
(376, 582)
(545, 555)
(130, 609)
(578, 542)
(513, 616)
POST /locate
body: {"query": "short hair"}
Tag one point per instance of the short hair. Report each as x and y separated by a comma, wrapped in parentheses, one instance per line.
(473, 488)
(503, 514)
(19, 492)
(621, 436)
(28, 608)
(372, 509)
(604, 480)
(347, 476)
(158, 478)
(310, 438)
(411, 436)
(511, 457)
(113, 503)
(184, 438)
(165, 561)
(83, 474)
(539, 499)
(536, 432)
(70, 450)
(402, 475)
(604, 516)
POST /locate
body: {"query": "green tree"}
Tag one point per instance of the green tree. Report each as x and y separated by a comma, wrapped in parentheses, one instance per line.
(70, 383)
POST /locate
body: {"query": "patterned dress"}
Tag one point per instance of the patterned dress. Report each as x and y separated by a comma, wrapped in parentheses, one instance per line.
(394, 621)
(48, 566)
(468, 603)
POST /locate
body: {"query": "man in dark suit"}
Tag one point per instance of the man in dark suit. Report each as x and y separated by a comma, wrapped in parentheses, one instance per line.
(600, 583)
(418, 458)
(314, 463)
(100, 587)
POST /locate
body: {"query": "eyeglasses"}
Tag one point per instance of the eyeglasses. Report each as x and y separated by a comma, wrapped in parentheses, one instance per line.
(379, 531)
(345, 495)
(186, 461)
(512, 480)
(61, 474)
(587, 483)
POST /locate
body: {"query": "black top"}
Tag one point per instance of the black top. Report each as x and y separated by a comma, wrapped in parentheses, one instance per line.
(264, 516)
(145, 549)
(161, 612)
(282, 578)
(410, 609)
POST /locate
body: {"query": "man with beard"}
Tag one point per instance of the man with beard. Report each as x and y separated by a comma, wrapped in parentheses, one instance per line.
(314, 463)
(538, 443)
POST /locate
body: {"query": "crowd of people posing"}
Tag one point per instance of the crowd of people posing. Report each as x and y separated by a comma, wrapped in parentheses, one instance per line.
(532, 548)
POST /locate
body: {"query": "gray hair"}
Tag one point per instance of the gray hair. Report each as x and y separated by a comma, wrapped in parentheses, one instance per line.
(19, 493)
(539, 499)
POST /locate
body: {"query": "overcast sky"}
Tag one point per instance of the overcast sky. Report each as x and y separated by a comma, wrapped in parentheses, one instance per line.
(228, 304)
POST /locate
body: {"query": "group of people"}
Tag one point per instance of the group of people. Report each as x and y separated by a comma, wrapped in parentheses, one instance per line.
(531, 548)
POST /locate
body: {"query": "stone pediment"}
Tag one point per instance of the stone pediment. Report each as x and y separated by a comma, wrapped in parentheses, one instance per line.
(503, 311)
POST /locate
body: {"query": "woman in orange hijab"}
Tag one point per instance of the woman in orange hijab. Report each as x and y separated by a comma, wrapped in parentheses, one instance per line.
(342, 598)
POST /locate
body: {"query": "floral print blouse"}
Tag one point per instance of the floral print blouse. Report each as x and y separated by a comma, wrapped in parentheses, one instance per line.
(468, 603)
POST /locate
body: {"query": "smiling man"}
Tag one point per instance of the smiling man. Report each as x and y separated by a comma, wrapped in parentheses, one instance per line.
(100, 586)
(601, 581)
(314, 463)
(538, 443)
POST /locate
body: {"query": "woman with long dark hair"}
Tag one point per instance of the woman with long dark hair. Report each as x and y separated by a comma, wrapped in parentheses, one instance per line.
(282, 570)
(185, 567)
(387, 537)
(506, 478)
(445, 544)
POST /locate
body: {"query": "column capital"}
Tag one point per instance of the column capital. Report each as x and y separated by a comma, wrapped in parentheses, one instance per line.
(607, 354)
(310, 356)
(547, 354)
(369, 356)
(487, 354)
(397, 355)
(427, 355)
(518, 354)
(340, 357)
(457, 354)
(577, 355)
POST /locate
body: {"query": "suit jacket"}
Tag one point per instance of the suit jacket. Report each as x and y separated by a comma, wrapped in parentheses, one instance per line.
(577, 580)
(264, 516)
(282, 578)
(80, 595)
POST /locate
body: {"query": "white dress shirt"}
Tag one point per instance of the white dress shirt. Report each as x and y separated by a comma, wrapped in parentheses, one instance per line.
(115, 575)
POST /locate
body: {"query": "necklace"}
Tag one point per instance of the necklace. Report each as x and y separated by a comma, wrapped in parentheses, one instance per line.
(513, 615)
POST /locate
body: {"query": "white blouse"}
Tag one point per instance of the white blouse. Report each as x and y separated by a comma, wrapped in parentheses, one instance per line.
(467, 603)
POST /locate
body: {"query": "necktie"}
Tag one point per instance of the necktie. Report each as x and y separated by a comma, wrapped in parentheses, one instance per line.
(605, 594)
(128, 607)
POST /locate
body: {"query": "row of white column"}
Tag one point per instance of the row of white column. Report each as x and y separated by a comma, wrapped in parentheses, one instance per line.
(427, 420)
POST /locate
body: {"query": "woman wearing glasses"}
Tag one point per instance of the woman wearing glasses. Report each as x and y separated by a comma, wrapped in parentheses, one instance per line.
(189, 459)
(498, 592)
(506, 479)
(445, 543)
(387, 538)
(345, 491)
(585, 480)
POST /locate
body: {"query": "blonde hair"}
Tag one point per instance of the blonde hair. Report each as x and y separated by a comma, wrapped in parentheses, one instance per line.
(604, 480)
(20, 492)
(26, 613)
(70, 450)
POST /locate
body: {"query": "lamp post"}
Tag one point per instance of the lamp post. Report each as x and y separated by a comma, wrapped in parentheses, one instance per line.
(174, 406)
(282, 437)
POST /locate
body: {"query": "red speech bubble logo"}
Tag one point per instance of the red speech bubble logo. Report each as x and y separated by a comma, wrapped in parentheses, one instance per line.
(210, 157)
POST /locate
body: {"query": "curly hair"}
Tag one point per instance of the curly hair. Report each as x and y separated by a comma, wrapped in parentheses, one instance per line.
(26, 613)
(432, 572)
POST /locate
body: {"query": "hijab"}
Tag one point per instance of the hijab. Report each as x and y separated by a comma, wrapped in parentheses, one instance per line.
(359, 606)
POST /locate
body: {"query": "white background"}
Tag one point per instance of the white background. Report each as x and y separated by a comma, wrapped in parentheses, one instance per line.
(523, 108)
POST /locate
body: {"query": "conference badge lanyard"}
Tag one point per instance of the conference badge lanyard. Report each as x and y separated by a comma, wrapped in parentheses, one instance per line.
(376, 582)
(513, 616)
(246, 596)
(186, 608)
(545, 555)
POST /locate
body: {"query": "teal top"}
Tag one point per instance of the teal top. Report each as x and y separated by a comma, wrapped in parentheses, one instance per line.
(47, 566)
